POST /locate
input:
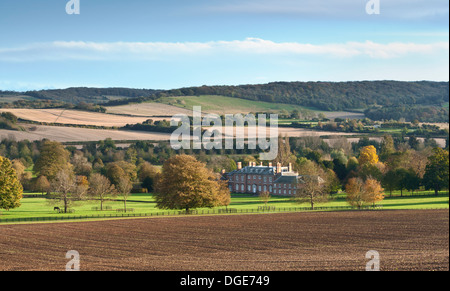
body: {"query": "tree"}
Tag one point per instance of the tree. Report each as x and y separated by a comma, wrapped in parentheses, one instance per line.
(437, 171)
(360, 192)
(186, 183)
(147, 174)
(264, 196)
(10, 188)
(372, 191)
(65, 188)
(313, 186)
(390, 181)
(354, 190)
(124, 188)
(369, 155)
(41, 184)
(100, 187)
(53, 158)
(114, 172)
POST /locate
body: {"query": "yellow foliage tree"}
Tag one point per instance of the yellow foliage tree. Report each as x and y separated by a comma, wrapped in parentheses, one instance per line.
(368, 155)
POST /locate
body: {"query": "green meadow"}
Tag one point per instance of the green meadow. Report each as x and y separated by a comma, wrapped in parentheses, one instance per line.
(223, 104)
(139, 204)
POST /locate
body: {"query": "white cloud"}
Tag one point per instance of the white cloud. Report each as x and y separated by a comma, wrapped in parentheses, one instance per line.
(148, 51)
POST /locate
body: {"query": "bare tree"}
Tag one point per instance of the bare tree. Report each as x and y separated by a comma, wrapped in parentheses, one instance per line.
(100, 187)
(65, 188)
(124, 187)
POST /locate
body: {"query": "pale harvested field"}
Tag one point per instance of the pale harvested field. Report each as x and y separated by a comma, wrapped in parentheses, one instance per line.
(73, 134)
(75, 117)
(408, 240)
(148, 109)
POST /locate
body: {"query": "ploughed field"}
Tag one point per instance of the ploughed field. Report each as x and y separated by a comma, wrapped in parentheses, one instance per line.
(405, 240)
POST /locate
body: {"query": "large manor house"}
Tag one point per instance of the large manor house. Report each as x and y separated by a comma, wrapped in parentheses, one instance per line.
(253, 179)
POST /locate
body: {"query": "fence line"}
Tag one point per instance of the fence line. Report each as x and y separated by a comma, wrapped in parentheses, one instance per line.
(193, 212)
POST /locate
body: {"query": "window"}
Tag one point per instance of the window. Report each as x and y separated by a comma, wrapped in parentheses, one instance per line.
(270, 189)
(259, 188)
(249, 188)
(265, 179)
(265, 188)
(270, 179)
(242, 187)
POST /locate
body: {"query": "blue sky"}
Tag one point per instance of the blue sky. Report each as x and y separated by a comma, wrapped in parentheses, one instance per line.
(168, 44)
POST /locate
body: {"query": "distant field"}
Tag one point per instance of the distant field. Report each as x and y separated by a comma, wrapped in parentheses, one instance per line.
(74, 117)
(13, 98)
(148, 109)
(220, 105)
(74, 134)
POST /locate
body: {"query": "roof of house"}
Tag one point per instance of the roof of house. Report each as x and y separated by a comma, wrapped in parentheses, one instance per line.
(258, 170)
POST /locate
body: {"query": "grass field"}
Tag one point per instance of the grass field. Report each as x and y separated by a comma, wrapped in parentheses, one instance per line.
(229, 105)
(144, 204)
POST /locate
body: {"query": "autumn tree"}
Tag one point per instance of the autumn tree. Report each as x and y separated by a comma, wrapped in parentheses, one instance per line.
(186, 183)
(313, 186)
(10, 188)
(360, 192)
(53, 159)
(368, 155)
(372, 191)
(354, 190)
(41, 184)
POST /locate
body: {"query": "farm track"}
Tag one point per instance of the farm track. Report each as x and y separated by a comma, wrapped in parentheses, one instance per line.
(406, 240)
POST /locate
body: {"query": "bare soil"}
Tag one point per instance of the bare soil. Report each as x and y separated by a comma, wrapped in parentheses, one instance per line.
(406, 240)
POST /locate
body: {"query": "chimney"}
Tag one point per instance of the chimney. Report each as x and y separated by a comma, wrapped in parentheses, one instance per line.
(261, 164)
(270, 164)
(290, 167)
(278, 168)
(223, 172)
(239, 165)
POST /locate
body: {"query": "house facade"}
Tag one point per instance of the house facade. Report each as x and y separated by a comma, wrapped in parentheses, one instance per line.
(253, 179)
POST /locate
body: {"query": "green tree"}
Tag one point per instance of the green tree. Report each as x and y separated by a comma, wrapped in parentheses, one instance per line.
(10, 188)
(437, 171)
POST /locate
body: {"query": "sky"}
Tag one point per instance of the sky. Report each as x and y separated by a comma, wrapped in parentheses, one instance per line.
(167, 44)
